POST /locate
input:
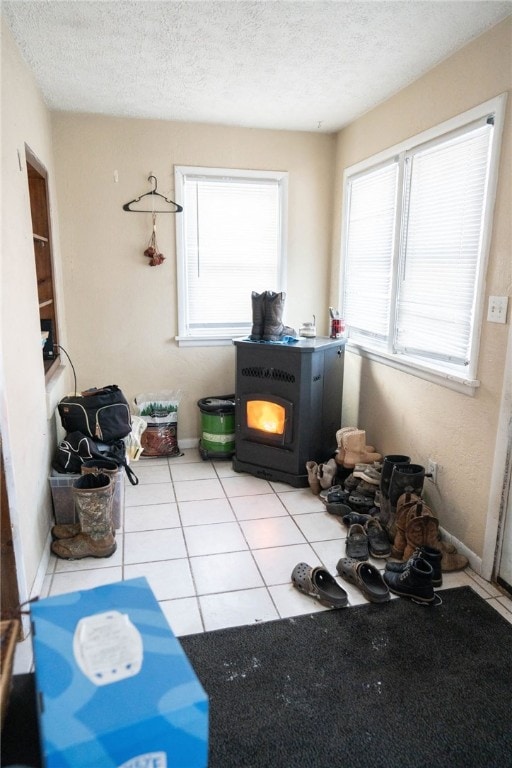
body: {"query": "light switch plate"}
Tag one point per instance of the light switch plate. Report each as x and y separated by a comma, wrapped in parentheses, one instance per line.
(497, 309)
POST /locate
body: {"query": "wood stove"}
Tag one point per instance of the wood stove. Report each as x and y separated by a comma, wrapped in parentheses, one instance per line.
(287, 406)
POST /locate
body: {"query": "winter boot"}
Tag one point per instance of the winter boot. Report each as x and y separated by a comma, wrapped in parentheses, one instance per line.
(354, 444)
(96, 467)
(406, 478)
(273, 328)
(93, 495)
(388, 464)
(431, 555)
(414, 581)
(314, 482)
(258, 315)
(340, 453)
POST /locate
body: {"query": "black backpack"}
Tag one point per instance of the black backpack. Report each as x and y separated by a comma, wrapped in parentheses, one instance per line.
(101, 414)
(77, 448)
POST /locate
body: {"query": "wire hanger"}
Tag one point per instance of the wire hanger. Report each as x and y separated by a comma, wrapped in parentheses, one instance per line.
(154, 193)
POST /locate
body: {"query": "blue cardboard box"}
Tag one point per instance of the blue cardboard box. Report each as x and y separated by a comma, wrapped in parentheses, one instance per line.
(114, 687)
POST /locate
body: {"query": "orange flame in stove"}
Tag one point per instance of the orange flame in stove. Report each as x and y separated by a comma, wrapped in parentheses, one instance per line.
(265, 416)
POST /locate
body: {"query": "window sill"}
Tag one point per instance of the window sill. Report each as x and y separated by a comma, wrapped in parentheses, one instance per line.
(206, 341)
(410, 366)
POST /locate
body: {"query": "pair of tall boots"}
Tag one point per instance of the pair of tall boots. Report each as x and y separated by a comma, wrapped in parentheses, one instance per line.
(267, 317)
(93, 535)
(352, 448)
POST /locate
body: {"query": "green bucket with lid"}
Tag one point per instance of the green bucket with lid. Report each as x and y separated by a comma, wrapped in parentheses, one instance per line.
(217, 427)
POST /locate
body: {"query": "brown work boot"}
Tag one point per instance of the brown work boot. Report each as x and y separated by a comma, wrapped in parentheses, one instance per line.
(65, 531)
(93, 496)
(409, 506)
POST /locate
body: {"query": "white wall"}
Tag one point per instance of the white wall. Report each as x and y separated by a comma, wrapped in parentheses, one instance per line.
(122, 313)
(28, 436)
(401, 413)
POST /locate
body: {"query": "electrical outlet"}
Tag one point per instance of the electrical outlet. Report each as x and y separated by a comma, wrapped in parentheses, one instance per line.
(432, 470)
(497, 309)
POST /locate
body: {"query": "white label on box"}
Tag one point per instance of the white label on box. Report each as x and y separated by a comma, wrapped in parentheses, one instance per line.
(108, 648)
(150, 760)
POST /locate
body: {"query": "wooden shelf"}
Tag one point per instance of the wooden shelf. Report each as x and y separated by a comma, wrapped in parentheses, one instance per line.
(45, 303)
(40, 238)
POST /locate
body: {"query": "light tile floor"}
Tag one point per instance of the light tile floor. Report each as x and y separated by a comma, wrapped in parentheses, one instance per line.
(218, 547)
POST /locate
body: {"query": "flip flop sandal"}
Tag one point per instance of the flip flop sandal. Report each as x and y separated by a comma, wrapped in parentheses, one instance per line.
(378, 542)
(366, 577)
(356, 545)
(319, 584)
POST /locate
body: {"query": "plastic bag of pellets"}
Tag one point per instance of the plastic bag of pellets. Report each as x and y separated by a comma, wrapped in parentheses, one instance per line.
(160, 412)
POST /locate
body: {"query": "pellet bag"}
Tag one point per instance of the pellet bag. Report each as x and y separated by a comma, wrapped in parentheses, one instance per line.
(160, 412)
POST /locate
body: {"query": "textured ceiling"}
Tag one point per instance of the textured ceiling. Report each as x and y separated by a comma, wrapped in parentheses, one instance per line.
(293, 64)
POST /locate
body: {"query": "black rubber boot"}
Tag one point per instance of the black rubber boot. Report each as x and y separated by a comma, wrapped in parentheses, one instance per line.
(388, 464)
(273, 329)
(431, 555)
(406, 478)
(415, 581)
(258, 315)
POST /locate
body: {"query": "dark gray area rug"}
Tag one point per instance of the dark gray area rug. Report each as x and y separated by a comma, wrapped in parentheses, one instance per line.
(398, 685)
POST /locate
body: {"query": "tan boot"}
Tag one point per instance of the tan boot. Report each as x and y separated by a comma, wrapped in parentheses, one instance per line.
(327, 473)
(408, 507)
(451, 560)
(93, 495)
(314, 482)
(354, 444)
(421, 531)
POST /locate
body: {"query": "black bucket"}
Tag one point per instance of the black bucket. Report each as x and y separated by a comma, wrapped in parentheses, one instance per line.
(217, 427)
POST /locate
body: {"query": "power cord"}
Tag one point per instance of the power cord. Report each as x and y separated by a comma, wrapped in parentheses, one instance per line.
(70, 362)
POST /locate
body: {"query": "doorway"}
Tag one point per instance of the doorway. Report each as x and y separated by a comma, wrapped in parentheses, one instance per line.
(9, 588)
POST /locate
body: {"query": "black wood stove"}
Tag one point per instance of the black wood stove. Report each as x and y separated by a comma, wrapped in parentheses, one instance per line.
(287, 406)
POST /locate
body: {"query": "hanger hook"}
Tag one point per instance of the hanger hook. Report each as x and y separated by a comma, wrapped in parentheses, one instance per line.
(155, 181)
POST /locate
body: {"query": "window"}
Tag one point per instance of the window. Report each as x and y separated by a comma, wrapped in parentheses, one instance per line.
(230, 241)
(417, 226)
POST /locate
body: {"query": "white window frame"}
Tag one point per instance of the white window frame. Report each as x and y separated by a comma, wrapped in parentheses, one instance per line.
(465, 382)
(186, 336)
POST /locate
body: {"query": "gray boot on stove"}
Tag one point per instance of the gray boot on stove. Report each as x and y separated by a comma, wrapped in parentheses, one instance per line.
(274, 330)
(258, 315)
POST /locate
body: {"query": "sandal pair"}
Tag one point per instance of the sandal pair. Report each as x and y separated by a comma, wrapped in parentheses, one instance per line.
(319, 584)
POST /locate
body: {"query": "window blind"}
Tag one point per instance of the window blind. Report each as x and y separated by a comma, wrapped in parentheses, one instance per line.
(232, 232)
(369, 251)
(443, 212)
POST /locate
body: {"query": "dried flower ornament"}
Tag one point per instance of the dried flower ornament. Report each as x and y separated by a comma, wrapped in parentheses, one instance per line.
(153, 251)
